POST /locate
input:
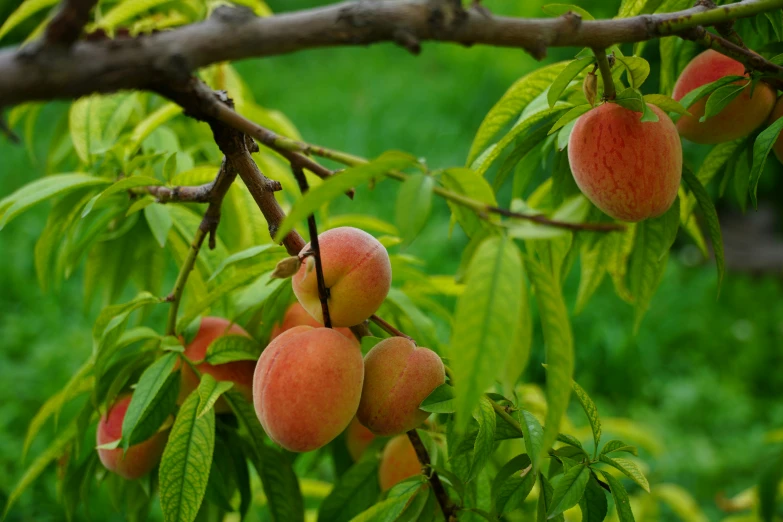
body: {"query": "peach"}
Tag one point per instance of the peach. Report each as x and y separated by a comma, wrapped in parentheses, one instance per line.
(140, 458)
(739, 118)
(398, 376)
(398, 462)
(238, 372)
(357, 273)
(307, 386)
(628, 168)
(357, 439)
(777, 112)
(296, 315)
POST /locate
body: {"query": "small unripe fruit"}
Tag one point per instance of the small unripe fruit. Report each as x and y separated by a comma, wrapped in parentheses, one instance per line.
(777, 113)
(296, 315)
(398, 376)
(238, 372)
(140, 458)
(357, 439)
(357, 273)
(628, 168)
(307, 386)
(399, 461)
(739, 118)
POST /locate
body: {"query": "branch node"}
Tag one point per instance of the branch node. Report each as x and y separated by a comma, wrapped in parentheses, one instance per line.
(574, 20)
(233, 15)
(406, 39)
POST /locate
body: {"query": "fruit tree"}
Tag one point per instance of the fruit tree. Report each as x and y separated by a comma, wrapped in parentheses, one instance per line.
(293, 347)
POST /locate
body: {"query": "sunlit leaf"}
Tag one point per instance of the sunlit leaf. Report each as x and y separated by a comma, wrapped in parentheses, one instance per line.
(761, 149)
(152, 401)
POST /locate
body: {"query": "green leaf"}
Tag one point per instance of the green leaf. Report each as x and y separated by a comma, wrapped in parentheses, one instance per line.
(594, 265)
(441, 400)
(561, 9)
(631, 99)
(511, 104)
(127, 10)
(593, 504)
(565, 77)
(665, 103)
(42, 189)
(485, 438)
(485, 321)
(590, 410)
(337, 185)
(534, 437)
(187, 459)
(761, 148)
(648, 114)
(711, 218)
(648, 259)
(230, 348)
(638, 69)
(159, 221)
(120, 186)
(414, 201)
(559, 349)
(275, 251)
(618, 445)
(110, 322)
(569, 489)
(145, 127)
(720, 98)
(510, 488)
(621, 501)
(152, 401)
(209, 391)
(700, 92)
(545, 500)
(469, 183)
(385, 511)
(27, 9)
(355, 492)
(629, 468)
(569, 117)
(55, 450)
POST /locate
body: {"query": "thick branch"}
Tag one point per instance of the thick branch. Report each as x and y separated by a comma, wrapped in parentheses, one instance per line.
(232, 34)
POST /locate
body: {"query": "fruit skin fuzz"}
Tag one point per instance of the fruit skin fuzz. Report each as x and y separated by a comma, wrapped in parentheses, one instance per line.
(628, 168)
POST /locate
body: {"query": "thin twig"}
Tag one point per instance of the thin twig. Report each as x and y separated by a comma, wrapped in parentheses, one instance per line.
(323, 291)
(501, 411)
(441, 495)
(181, 194)
(389, 328)
(606, 73)
(182, 278)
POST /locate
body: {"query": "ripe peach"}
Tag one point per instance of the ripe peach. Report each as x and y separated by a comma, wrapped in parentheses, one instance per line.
(296, 315)
(357, 273)
(628, 168)
(307, 386)
(398, 376)
(398, 462)
(357, 438)
(739, 118)
(239, 372)
(777, 112)
(140, 458)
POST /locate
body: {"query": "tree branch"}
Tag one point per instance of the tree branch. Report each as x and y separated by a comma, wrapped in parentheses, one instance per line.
(233, 33)
(323, 291)
(387, 327)
(441, 495)
(606, 73)
(68, 24)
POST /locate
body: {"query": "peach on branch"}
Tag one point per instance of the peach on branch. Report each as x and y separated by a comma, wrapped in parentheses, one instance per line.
(140, 458)
(398, 462)
(238, 372)
(296, 315)
(628, 168)
(357, 272)
(740, 117)
(307, 386)
(357, 439)
(398, 376)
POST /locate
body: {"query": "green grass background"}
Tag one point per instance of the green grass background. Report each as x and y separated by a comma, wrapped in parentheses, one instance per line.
(702, 375)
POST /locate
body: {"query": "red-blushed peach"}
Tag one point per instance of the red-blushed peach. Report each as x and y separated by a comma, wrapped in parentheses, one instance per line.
(398, 376)
(296, 315)
(307, 386)
(238, 372)
(398, 462)
(777, 113)
(628, 168)
(357, 438)
(140, 458)
(739, 118)
(357, 272)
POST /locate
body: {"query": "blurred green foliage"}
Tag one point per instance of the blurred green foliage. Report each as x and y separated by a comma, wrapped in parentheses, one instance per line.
(700, 375)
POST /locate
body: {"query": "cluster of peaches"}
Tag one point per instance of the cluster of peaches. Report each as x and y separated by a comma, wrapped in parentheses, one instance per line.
(311, 383)
(631, 169)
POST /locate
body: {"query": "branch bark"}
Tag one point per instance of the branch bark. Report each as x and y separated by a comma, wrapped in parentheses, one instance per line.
(441, 495)
(68, 24)
(234, 33)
